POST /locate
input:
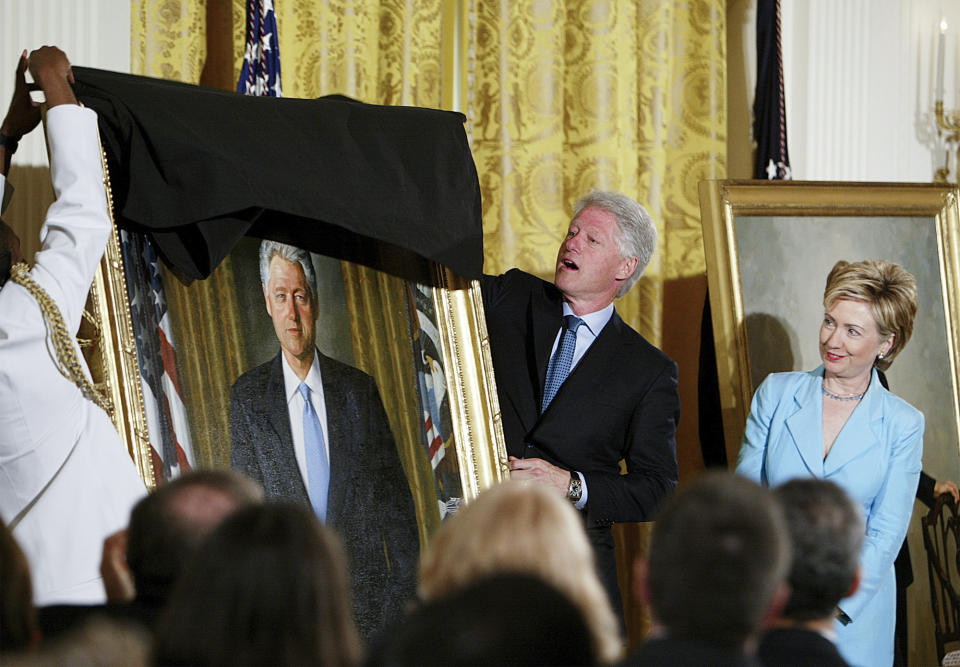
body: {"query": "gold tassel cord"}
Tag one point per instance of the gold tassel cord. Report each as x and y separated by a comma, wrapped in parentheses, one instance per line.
(67, 362)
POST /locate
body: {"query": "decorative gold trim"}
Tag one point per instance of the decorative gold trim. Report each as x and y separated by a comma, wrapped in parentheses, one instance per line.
(110, 304)
(475, 411)
(722, 201)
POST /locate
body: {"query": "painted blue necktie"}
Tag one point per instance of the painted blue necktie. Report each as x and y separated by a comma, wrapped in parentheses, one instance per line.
(318, 470)
(559, 367)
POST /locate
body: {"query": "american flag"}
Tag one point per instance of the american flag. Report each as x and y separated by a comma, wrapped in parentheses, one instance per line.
(772, 159)
(167, 424)
(260, 74)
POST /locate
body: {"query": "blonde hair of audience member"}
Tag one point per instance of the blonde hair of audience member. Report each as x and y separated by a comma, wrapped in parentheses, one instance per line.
(887, 288)
(519, 528)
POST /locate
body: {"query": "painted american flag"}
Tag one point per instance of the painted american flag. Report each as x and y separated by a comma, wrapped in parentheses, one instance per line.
(167, 424)
(434, 399)
(260, 74)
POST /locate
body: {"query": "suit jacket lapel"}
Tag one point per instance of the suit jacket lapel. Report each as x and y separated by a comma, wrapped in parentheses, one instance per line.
(806, 425)
(606, 349)
(277, 452)
(546, 316)
(860, 433)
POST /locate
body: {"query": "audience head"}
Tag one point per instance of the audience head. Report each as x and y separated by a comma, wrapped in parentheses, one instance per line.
(167, 525)
(719, 556)
(827, 531)
(522, 528)
(890, 292)
(506, 619)
(18, 617)
(637, 235)
(267, 586)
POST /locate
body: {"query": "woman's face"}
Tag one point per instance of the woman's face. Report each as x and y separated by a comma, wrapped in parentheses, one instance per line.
(849, 340)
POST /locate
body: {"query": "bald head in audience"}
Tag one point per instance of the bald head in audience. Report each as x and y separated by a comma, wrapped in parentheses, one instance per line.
(166, 526)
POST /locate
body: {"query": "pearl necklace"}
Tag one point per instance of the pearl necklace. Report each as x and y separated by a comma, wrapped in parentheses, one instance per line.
(836, 397)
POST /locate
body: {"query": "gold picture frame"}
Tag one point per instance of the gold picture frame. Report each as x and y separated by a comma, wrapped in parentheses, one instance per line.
(769, 246)
(374, 298)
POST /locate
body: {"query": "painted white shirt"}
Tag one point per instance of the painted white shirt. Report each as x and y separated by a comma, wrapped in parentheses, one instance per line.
(291, 384)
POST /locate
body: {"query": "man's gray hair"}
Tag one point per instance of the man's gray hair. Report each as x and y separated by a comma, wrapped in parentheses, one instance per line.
(291, 253)
(637, 235)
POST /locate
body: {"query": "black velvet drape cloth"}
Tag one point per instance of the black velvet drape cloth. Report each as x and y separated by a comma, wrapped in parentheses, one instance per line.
(198, 168)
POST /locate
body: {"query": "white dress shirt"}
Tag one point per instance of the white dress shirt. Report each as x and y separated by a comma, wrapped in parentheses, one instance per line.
(66, 479)
(291, 384)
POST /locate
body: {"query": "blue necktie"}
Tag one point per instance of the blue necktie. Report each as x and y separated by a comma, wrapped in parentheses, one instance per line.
(318, 471)
(559, 367)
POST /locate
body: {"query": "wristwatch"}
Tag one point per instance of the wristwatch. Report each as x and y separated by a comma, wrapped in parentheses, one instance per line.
(8, 142)
(575, 490)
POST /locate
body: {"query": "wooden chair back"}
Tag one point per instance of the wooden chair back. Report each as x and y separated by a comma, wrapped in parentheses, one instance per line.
(941, 540)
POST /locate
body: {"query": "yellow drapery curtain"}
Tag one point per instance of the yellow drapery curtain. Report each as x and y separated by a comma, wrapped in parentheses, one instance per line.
(596, 95)
(565, 97)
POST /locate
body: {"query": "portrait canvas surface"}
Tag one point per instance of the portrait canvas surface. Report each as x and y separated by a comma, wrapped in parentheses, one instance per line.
(170, 376)
(769, 248)
(783, 283)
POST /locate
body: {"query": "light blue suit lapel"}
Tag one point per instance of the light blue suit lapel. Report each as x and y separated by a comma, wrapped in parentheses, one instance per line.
(859, 434)
(806, 425)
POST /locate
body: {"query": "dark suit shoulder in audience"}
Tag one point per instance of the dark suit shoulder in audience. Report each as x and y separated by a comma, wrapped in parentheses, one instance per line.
(506, 619)
(57, 620)
(796, 647)
(688, 652)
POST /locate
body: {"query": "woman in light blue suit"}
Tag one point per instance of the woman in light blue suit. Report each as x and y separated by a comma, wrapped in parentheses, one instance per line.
(838, 423)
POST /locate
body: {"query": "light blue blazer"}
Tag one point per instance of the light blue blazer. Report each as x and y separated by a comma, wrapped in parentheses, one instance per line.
(876, 459)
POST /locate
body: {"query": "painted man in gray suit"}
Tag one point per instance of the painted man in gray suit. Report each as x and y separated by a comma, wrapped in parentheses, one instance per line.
(313, 430)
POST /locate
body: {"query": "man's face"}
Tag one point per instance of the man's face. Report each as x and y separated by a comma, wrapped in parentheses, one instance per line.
(291, 307)
(589, 266)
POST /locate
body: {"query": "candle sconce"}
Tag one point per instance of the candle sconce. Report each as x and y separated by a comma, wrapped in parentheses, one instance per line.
(948, 122)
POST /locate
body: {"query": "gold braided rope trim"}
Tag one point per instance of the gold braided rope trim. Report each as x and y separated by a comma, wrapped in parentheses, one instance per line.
(67, 362)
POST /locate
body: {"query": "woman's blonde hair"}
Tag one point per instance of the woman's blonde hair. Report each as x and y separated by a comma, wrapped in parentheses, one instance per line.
(889, 290)
(522, 528)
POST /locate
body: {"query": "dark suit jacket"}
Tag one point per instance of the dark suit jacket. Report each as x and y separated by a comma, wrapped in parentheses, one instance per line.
(619, 402)
(672, 651)
(796, 647)
(369, 502)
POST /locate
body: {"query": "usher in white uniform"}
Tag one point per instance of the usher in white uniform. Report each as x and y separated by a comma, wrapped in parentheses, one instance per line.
(66, 480)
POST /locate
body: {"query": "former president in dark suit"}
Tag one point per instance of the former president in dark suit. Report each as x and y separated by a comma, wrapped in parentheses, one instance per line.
(620, 399)
(350, 474)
